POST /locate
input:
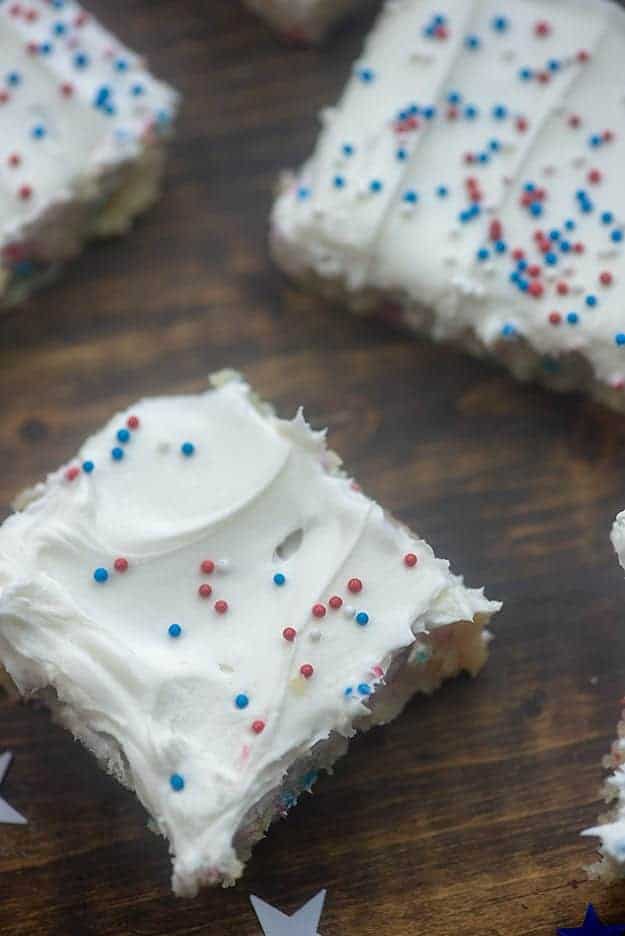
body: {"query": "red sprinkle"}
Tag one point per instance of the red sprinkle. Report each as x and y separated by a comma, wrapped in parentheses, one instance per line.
(469, 158)
(536, 289)
(306, 670)
(354, 585)
(522, 124)
(533, 270)
(563, 288)
(335, 602)
(579, 248)
(120, 565)
(518, 254)
(72, 473)
(583, 56)
(555, 318)
(133, 422)
(594, 177)
(606, 278)
(608, 136)
(258, 726)
(25, 192)
(410, 560)
(544, 77)
(221, 606)
(318, 610)
(14, 160)
(205, 591)
(289, 633)
(575, 121)
(66, 89)
(495, 231)
(207, 566)
(4, 97)
(542, 28)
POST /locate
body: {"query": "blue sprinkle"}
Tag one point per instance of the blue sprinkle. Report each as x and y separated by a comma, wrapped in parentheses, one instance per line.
(591, 301)
(500, 24)
(38, 132)
(364, 689)
(87, 467)
(500, 112)
(475, 210)
(59, 29)
(100, 575)
(58, 4)
(348, 691)
(472, 42)
(137, 90)
(617, 236)
(338, 182)
(187, 449)
(619, 338)
(483, 254)
(586, 206)
(102, 95)
(536, 209)
(501, 247)
(596, 139)
(46, 48)
(14, 78)
(508, 330)
(483, 158)
(411, 197)
(572, 318)
(522, 265)
(279, 578)
(347, 149)
(526, 74)
(529, 187)
(303, 193)
(607, 217)
(429, 31)
(366, 75)
(495, 146)
(565, 246)
(553, 65)
(375, 186)
(514, 277)
(439, 19)
(524, 285)
(402, 154)
(123, 435)
(570, 225)
(551, 259)
(454, 97)
(176, 782)
(464, 217)
(442, 191)
(429, 112)
(362, 618)
(554, 235)
(470, 112)
(81, 60)
(121, 65)
(174, 630)
(117, 453)
(242, 701)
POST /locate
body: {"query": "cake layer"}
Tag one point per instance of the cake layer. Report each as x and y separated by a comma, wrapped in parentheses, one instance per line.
(610, 828)
(468, 185)
(212, 607)
(82, 125)
(302, 20)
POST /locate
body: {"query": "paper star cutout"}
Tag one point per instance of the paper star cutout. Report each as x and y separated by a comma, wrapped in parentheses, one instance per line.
(304, 921)
(592, 926)
(7, 813)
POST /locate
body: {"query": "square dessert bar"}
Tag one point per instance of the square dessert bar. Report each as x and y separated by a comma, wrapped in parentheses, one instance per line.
(611, 826)
(213, 608)
(82, 130)
(469, 185)
(302, 20)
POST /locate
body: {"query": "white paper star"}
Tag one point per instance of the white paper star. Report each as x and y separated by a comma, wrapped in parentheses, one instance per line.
(304, 921)
(7, 813)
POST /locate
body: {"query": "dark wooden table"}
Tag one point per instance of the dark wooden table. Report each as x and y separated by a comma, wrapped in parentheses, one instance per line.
(463, 816)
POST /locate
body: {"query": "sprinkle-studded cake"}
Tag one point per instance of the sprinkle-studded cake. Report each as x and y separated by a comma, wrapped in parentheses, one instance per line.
(213, 608)
(82, 126)
(610, 828)
(469, 185)
(302, 20)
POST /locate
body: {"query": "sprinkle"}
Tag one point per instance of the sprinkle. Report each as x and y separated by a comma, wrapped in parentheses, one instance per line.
(117, 453)
(133, 422)
(176, 782)
(120, 565)
(14, 160)
(410, 197)
(362, 618)
(306, 670)
(354, 585)
(555, 318)
(258, 726)
(223, 565)
(572, 318)
(605, 278)
(205, 591)
(338, 182)
(591, 301)
(221, 606)
(279, 578)
(500, 112)
(303, 193)
(207, 566)
(72, 473)
(542, 28)
(410, 560)
(289, 633)
(25, 192)
(101, 575)
(123, 436)
(318, 610)
(174, 631)
(242, 700)
(500, 24)
(366, 75)
(472, 42)
(375, 186)
(348, 611)
(88, 466)
(81, 60)
(619, 338)
(617, 236)
(335, 602)
(442, 191)
(364, 689)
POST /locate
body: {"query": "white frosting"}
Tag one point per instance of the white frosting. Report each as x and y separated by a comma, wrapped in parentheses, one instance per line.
(75, 104)
(125, 685)
(376, 239)
(302, 19)
(612, 832)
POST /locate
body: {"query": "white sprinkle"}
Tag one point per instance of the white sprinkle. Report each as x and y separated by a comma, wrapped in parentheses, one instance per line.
(578, 162)
(223, 565)
(315, 635)
(508, 55)
(163, 447)
(348, 611)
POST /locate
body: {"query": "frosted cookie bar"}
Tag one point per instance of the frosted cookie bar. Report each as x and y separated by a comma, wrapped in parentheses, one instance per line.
(82, 130)
(611, 826)
(302, 20)
(469, 185)
(213, 608)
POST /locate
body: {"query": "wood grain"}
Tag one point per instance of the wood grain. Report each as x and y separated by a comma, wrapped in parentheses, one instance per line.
(462, 816)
